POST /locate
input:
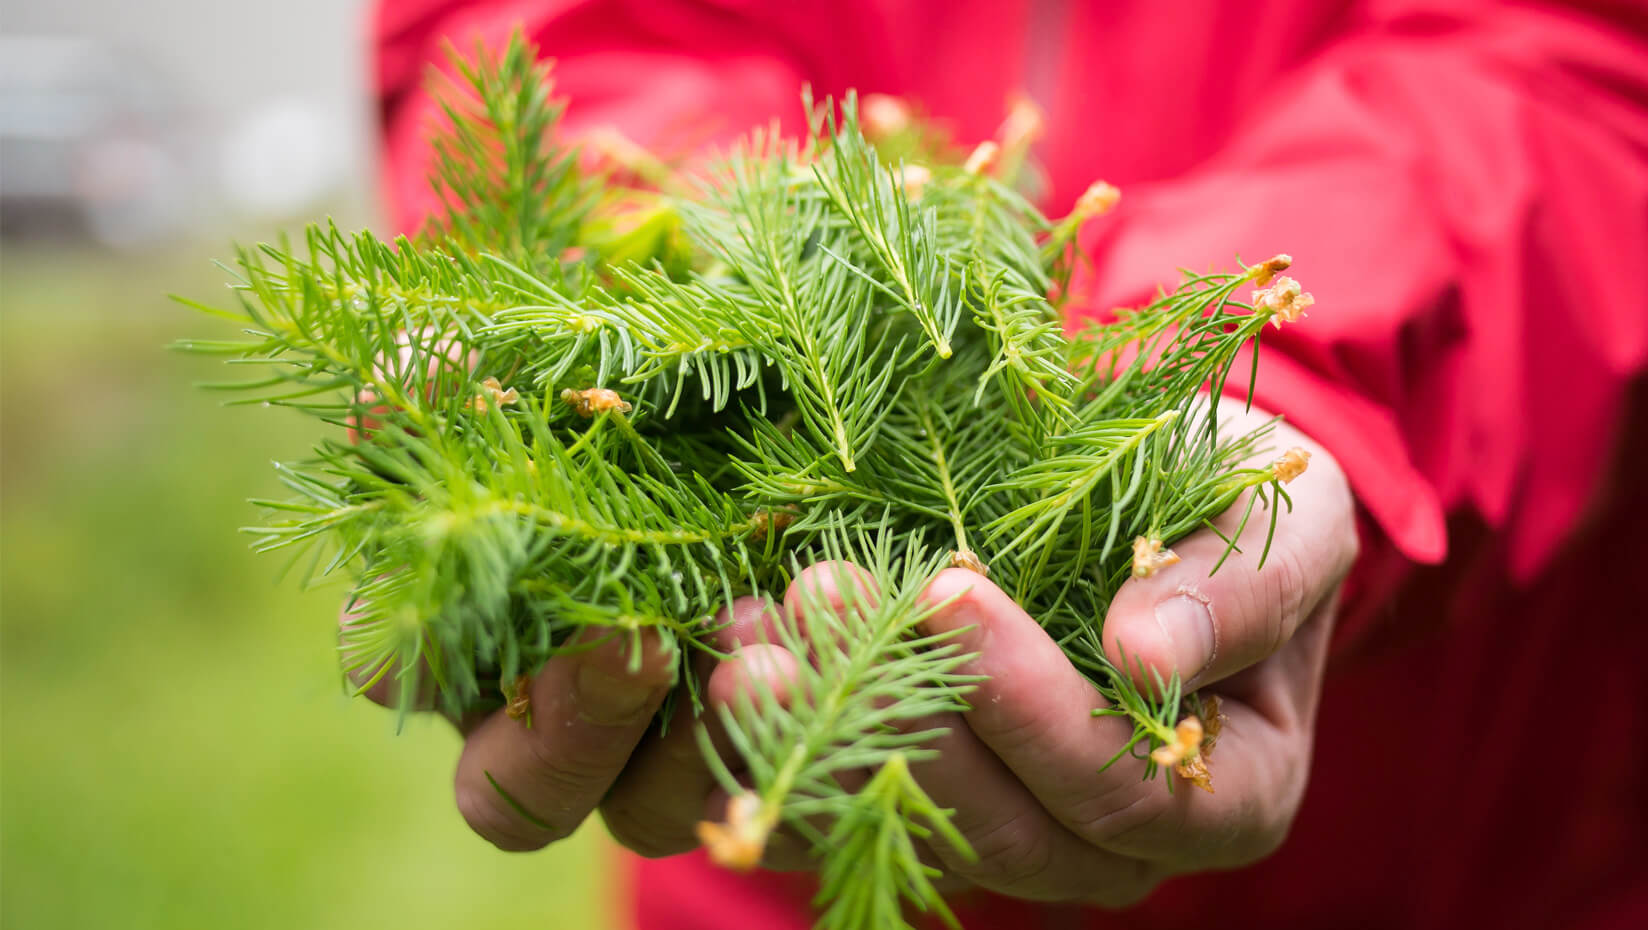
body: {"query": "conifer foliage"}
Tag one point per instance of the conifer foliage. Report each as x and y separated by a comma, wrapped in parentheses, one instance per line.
(599, 393)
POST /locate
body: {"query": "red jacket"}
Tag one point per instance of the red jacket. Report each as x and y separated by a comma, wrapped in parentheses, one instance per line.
(1464, 188)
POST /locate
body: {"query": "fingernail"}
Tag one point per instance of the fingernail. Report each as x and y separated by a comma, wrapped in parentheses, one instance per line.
(604, 698)
(1189, 628)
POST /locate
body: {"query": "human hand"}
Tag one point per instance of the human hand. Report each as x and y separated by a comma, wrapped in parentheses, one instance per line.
(1022, 768)
(591, 742)
(524, 781)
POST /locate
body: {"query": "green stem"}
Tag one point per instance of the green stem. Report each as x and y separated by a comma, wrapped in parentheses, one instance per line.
(945, 480)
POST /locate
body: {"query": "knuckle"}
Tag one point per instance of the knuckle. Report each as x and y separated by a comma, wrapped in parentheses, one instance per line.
(563, 772)
(1287, 584)
(1011, 734)
(1013, 854)
(1103, 823)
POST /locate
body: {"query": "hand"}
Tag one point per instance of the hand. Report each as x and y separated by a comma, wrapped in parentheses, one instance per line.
(523, 786)
(1021, 769)
(592, 744)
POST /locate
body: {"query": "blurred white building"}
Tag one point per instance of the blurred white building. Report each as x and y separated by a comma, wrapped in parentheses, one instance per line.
(134, 123)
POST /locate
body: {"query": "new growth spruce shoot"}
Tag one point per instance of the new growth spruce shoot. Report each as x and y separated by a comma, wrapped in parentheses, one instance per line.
(601, 395)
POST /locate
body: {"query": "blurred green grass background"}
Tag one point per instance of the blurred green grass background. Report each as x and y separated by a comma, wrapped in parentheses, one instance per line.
(175, 747)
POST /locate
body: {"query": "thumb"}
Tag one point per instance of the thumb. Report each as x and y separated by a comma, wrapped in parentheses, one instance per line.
(1206, 625)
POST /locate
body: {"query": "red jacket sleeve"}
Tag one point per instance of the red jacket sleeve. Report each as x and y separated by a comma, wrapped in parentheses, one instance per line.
(1467, 198)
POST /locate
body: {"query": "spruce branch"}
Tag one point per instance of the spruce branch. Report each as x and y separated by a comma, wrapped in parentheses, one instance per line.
(506, 186)
(880, 826)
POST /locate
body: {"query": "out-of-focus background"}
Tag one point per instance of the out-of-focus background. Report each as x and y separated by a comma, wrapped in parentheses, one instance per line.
(176, 749)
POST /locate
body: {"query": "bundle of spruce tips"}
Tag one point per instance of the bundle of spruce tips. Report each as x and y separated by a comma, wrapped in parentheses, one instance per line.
(604, 394)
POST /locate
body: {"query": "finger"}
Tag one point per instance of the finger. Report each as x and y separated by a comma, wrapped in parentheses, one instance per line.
(1033, 713)
(1033, 710)
(753, 619)
(754, 671)
(368, 417)
(1017, 846)
(1020, 848)
(1259, 767)
(1204, 627)
(830, 587)
(656, 803)
(522, 787)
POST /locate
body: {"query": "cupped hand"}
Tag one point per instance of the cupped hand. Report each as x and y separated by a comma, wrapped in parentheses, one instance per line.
(1024, 768)
(591, 741)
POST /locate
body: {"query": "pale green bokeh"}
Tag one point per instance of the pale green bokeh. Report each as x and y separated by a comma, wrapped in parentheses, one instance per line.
(177, 751)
